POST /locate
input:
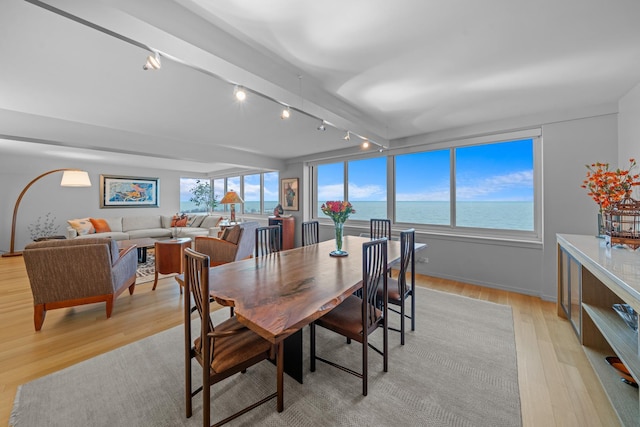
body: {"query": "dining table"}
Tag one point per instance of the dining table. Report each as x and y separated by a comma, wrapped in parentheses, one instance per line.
(276, 295)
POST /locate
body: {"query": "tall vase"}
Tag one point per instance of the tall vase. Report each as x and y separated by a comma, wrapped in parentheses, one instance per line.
(601, 232)
(339, 228)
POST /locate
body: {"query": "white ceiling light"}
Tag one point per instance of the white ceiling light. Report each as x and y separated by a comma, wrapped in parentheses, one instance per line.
(322, 127)
(286, 113)
(347, 137)
(239, 93)
(365, 144)
(153, 62)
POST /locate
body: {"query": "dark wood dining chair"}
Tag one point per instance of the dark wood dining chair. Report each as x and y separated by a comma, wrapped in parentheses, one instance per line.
(379, 228)
(221, 350)
(310, 233)
(356, 318)
(398, 290)
(267, 240)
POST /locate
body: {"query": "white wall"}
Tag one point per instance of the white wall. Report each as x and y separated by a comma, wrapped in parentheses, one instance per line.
(65, 203)
(629, 130)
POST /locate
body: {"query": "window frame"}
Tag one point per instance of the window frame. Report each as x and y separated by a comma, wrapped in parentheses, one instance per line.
(451, 229)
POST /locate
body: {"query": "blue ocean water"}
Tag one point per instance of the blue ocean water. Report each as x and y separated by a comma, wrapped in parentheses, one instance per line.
(498, 215)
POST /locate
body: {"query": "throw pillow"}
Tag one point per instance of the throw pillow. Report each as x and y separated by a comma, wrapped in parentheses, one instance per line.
(195, 220)
(82, 226)
(100, 225)
(232, 234)
(210, 221)
(179, 221)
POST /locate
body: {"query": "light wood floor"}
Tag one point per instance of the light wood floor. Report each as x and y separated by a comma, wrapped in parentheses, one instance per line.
(557, 384)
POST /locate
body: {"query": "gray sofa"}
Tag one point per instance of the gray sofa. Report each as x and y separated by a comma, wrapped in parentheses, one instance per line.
(154, 226)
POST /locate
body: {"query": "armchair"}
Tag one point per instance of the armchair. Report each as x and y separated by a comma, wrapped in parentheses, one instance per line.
(66, 273)
(236, 243)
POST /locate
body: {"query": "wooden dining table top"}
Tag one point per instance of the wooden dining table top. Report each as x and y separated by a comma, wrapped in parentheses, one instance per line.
(278, 294)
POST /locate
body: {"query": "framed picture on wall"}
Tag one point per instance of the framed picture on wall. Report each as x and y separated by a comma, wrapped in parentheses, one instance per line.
(289, 194)
(129, 192)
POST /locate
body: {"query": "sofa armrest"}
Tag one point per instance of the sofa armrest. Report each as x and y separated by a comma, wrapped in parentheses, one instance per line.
(124, 268)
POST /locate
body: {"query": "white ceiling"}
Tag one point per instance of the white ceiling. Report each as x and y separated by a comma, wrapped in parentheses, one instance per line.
(382, 69)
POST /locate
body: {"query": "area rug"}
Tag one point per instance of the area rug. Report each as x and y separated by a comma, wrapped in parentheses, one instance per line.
(458, 368)
(146, 271)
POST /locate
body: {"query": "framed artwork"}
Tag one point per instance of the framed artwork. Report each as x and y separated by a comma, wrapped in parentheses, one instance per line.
(289, 194)
(129, 192)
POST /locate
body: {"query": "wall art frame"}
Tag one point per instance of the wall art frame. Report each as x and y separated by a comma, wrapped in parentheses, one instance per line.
(289, 194)
(129, 192)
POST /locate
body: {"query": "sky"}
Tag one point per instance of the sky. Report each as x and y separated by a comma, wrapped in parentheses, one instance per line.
(488, 172)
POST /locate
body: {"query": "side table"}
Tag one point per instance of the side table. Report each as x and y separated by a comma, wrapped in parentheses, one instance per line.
(170, 257)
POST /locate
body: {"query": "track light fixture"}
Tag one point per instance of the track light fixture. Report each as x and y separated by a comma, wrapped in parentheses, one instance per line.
(239, 93)
(322, 127)
(365, 144)
(347, 137)
(286, 113)
(153, 62)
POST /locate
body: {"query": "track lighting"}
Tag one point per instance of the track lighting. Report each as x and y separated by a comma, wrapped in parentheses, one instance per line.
(286, 113)
(347, 137)
(365, 144)
(153, 62)
(239, 93)
(322, 127)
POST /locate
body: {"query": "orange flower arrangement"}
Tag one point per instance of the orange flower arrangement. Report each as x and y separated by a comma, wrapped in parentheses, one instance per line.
(339, 211)
(607, 186)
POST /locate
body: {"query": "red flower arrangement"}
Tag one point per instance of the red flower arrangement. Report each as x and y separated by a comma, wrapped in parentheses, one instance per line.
(338, 211)
(607, 186)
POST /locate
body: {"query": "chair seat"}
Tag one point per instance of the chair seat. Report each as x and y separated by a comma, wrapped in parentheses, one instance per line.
(395, 297)
(346, 318)
(235, 349)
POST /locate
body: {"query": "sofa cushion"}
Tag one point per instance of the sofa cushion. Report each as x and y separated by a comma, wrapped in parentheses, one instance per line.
(115, 223)
(166, 221)
(100, 225)
(82, 226)
(150, 232)
(210, 221)
(140, 222)
(179, 221)
(232, 234)
(195, 220)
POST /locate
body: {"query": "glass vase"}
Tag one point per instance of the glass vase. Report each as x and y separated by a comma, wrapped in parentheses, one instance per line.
(339, 229)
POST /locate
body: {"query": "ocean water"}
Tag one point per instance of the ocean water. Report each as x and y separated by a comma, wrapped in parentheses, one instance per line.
(497, 215)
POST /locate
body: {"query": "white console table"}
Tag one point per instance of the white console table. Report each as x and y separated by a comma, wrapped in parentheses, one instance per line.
(591, 278)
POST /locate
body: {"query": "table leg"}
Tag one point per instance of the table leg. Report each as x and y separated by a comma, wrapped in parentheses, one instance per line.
(142, 255)
(280, 369)
(293, 356)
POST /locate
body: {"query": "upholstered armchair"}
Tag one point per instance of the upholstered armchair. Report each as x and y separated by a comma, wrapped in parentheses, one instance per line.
(236, 243)
(66, 273)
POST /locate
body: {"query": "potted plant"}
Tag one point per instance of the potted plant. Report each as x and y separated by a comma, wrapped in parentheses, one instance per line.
(202, 195)
(43, 228)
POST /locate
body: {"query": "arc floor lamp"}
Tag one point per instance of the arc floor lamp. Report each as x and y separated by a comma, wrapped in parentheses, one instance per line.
(70, 178)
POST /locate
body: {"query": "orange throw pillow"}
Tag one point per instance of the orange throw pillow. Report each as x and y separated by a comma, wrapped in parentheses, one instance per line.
(179, 221)
(100, 225)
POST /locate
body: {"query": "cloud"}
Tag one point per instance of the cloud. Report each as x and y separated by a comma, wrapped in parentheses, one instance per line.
(503, 187)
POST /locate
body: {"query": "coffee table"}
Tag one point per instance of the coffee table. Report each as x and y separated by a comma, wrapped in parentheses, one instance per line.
(141, 246)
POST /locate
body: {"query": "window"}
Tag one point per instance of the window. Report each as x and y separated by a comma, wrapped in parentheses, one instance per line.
(423, 183)
(270, 188)
(218, 191)
(186, 187)
(251, 195)
(368, 187)
(330, 186)
(484, 186)
(494, 186)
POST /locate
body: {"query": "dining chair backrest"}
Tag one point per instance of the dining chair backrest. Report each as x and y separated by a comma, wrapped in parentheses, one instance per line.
(310, 233)
(267, 240)
(380, 228)
(374, 275)
(196, 284)
(407, 257)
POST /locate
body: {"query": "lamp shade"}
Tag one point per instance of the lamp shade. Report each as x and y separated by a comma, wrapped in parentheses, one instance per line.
(75, 178)
(231, 197)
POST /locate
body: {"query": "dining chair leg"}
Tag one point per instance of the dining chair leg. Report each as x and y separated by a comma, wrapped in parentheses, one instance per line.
(365, 363)
(413, 308)
(206, 398)
(312, 347)
(402, 320)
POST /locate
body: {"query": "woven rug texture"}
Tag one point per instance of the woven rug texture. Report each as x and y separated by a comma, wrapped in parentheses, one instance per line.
(458, 368)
